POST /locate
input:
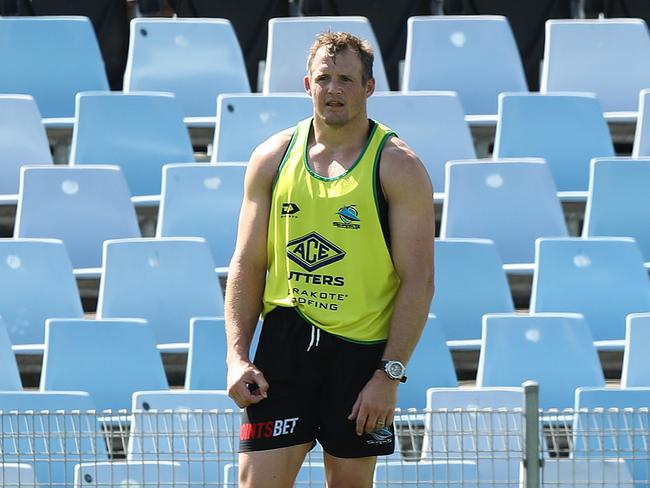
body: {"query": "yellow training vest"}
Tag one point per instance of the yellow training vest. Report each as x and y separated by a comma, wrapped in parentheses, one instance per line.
(327, 253)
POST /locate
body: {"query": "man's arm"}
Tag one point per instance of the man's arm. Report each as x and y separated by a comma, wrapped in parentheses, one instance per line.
(409, 193)
(247, 272)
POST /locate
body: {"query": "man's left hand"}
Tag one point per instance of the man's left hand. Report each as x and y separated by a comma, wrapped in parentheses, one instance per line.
(375, 405)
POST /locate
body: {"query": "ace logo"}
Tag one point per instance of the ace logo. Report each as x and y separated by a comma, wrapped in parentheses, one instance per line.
(313, 251)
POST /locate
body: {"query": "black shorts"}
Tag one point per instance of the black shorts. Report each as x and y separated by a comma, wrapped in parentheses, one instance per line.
(314, 379)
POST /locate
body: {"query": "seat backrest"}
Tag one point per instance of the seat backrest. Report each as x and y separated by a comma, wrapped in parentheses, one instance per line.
(166, 281)
(553, 349)
(129, 473)
(52, 59)
(197, 428)
(22, 139)
(641, 146)
(475, 56)
(430, 365)
(19, 475)
(566, 129)
(473, 422)
(431, 123)
(288, 48)
(9, 375)
(618, 202)
(246, 120)
(53, 431)
(162, 53)
(601, 278)
(140, 132)
(603, 56)
(636, 364)
(470, 282)
(82, 206)
(511, 202)
(110, 359)
(37, 282)
(204, 201)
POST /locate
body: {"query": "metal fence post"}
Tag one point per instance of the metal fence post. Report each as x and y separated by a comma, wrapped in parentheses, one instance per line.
(531, 435)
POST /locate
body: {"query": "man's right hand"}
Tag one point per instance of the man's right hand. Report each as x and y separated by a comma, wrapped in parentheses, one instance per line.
(246, 383)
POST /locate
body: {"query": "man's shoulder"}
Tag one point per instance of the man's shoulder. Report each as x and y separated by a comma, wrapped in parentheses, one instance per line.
(266, 157)
(400, 165)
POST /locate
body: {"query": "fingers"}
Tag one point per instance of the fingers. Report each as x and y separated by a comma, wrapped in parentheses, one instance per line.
(249, 388)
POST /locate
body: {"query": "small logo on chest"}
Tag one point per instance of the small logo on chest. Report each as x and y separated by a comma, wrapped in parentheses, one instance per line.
(289, 210)
(349, 216)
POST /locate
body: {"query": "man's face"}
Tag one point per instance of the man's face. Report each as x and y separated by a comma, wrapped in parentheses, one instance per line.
(337, 88)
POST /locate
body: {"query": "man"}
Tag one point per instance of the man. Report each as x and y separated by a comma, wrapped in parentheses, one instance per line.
(336, 244)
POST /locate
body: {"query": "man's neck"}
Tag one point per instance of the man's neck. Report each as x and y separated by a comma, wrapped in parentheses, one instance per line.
(352, 134)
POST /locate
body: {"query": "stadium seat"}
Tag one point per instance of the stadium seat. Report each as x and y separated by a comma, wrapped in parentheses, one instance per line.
(511, 202)
(22, 141)
(424, 474)
(9, 375)
(289, 43)
(130, 474)
(431, 123)
(52, 431)
(636, 366)
(52, 59)
(196, 59)
(603, 56)
(37, 283)
(139, 132)
(110, 359)
(430, 365)
(17, 475)
(468, 268)
(200, 430)
(475, 56)
(246, 120)
(613, 423)
(601, 278)
(81, 205)
(553, 349)
(166, 281)
(481, 424)
(203, 200)
(566, 129)
(618, 203)
(641, 146)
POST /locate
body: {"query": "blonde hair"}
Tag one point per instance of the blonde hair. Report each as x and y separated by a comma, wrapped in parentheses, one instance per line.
(338, 42)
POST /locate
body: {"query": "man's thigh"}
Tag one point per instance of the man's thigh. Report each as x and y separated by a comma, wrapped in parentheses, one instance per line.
(349, 472)
(273, 468)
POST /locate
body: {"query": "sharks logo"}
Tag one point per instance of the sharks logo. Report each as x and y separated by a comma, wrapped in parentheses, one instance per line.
(349, 216)
(380, 436)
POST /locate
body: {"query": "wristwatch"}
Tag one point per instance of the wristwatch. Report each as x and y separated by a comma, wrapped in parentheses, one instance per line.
(394, 370)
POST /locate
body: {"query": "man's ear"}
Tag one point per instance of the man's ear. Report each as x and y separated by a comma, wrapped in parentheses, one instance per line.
(370, 87)
(307, 84)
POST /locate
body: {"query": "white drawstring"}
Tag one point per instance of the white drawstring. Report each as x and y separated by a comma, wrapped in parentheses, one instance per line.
(315, 337)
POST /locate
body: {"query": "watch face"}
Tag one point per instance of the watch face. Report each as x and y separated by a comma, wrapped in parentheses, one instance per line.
(395, 369)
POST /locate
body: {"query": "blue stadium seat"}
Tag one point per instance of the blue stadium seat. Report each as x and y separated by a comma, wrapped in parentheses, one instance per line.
(139, 132)
(17, 475)
(613, 423)
(511, 202)
(603, 56)
(110, 359)
(203, 200)
(601, 278)
(431, 123)
(129, 473)
(430, 365)
(196, 59)
(246, 120)
(636, 364)
(289, 43)
(200, 430)
(52, 59)
(566, 129)
(482, 424)
(22, 141)
(475, 56)
(52, 431)
(553, 349)
(9, 375)
(424, 474)
(37, 283)
(166, 281)
(618, 203)
(468, 268)
(641, 146)
(82, 206)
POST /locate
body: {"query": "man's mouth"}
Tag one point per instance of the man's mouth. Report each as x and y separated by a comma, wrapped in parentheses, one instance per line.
(334, 104)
